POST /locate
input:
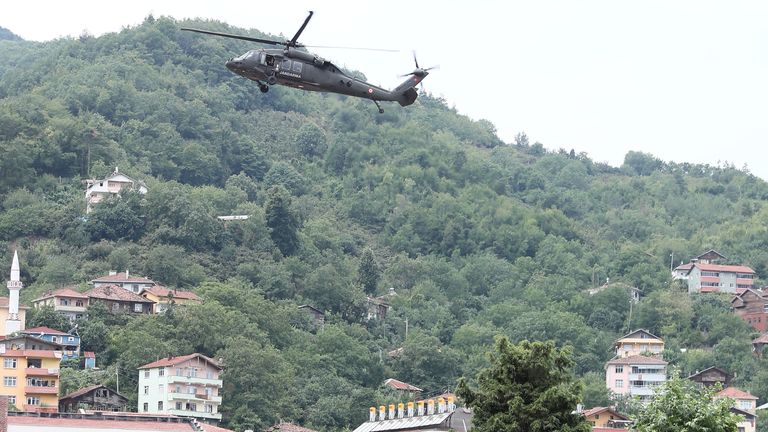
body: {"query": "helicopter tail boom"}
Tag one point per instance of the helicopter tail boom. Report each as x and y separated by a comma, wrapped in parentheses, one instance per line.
(408, 97)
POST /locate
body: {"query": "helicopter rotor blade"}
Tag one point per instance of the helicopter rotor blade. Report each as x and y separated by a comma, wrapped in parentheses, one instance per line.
(352, 48)
(292, 42)
(232, 36)
(415, 61)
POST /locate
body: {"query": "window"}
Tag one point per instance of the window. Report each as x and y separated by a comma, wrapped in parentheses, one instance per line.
(146, 406)
(620, 369)
(161, 372)
(178, 388)
(160, 405)
(146, 390)
(297, 66)
(34, 363)
(138, 307)
(191, 406)
(11, 400)
(178, 405)
(146, 373)
(64, 302)
(9, 381)
(33, 400)
(286, 65)
(619, 383)
(208, 408)
(79, 303)
(746, 405)
(190, 390)
(178, 372)
(55, 339)
(9, 363)
(710, 284)
(709, 273)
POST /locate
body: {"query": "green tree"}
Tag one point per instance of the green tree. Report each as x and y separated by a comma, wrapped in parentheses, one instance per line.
(682, 406)
(368, 273)
(46, 316)
(281, 220)
(528, 387)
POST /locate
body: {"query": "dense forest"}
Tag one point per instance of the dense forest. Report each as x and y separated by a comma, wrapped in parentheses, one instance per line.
(475, 236)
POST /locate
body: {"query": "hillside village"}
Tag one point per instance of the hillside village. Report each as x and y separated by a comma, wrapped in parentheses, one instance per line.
(188, 254)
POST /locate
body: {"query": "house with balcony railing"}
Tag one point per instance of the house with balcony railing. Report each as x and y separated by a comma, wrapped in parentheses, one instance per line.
(187, 386)
(31, 379)
(636, 375)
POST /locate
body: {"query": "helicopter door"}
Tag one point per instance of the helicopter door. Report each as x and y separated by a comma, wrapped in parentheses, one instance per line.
(263, 59)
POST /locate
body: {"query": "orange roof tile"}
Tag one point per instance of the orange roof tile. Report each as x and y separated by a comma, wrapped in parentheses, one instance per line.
(636, 359)
(162, 291)
(172, 361)
(62, 292)
(725, 268)
(733, 392)
(43, 329)
(115, 293)
(31, 353)
(399, 385)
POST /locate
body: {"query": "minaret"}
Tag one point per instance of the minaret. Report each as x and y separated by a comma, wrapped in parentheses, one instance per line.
(13, 324)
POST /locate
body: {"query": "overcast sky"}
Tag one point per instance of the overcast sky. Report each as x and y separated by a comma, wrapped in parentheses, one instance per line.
(686, 81)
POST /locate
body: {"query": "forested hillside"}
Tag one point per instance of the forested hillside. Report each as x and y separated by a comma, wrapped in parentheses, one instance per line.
(477, 237)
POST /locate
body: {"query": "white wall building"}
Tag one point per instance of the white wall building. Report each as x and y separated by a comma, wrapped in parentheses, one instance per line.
(99, 190)
(187, 386)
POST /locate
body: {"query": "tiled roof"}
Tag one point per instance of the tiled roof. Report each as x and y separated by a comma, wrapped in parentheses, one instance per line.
(684, 266)
(121, 278)
(724, 268)
(162, 291)
(44, 330)
(288, 427)
(636, 359)
(115, 293)
(172, 361)
(89, 354)
(420, 422)
(628, 335)
(733, 392)
(399, 385)
(62, 292)
(85, 390)
(31, 353)
(597, 410)
(107, 421)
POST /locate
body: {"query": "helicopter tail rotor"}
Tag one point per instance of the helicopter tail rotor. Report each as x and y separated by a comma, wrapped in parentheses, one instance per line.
(419, 71)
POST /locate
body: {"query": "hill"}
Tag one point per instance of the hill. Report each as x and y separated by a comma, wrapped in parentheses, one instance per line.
(476, 237)
(6, 34)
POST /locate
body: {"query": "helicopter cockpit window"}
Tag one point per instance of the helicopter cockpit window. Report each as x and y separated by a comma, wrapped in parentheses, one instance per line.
(297, 66)
(286, 66)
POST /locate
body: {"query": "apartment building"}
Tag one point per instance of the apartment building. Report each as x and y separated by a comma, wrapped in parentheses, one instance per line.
(187, 386)
(31, 379)
(635, 375)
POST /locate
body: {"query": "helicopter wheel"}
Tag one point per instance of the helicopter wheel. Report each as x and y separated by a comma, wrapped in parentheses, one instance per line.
(264, 88)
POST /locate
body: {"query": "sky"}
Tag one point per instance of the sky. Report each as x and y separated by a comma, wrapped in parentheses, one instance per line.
(684, 80)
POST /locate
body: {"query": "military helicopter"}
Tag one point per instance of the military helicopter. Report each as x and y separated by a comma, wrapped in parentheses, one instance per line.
(300, 69)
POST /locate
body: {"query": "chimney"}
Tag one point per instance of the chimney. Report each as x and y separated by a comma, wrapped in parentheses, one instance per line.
(382, 413)
(400, 410)
(127, 274)
(3, 413)
(372, 416)
(410, 409)
(430, 406)
(391, 412)
(421, 408)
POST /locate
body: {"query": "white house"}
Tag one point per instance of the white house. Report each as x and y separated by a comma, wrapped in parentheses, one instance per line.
(98, 190)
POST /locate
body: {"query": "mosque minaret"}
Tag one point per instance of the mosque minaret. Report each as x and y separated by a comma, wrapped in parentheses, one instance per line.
(13, 323)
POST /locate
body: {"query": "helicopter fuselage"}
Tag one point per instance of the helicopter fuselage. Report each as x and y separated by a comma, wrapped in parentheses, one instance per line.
(300, 69)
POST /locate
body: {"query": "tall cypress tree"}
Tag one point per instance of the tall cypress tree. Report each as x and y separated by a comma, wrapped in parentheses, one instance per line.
(368, 273)
(281, 220)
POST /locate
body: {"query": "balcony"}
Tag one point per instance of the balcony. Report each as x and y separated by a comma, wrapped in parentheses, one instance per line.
(32, 371)
(641, 391)
(194, 397)
(194, 380)
(198, 414)
(652, 377)
(69, 308)
(41, 390)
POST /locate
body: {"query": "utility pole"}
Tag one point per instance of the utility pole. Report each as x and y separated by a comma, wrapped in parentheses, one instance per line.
(117, 375)
(671, 261)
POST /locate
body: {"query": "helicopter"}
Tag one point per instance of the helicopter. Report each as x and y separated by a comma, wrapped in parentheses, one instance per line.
(293, 67)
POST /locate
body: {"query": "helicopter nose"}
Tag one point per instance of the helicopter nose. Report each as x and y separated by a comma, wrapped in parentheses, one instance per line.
(230, 64)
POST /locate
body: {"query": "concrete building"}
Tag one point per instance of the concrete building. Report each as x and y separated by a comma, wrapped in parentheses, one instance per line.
(118, 300)
(66, 301)
(125, 281)
(70, 342)
(97, 191)
(31, 379)
(635, 375)
(639, 342)
(163, 297)
(187, 386)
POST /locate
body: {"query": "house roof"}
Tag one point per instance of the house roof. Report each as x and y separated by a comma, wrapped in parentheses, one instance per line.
(636, 359)
(746, 414)
(26, 337)
(723, 268)
(711, 368)
(419, 422)
(733, 392)
(44, 330)
(288, 427)
(172, 361)
(89, 354)
(31, 353)
(598, 410)
(62, 292)
(312, 308)
(88, 389)
(162, 291)
(399, 385)
(123, 278)
(633, 335)
(104, 421)
(687, 266)
(115, 293)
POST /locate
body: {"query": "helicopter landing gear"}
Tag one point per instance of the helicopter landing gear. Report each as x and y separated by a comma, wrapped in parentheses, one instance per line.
(381, 110)
(271, 80)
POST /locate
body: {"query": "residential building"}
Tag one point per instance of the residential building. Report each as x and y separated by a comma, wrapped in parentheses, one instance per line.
(751, 305)
(31, 379)
(711, 376)
(27, 342)
(118, 300)
(188, 385)
(88, 360)
(70, 342)
(163, 297)
(377, 308)
(744, 405)
(605, 417)
(714, 278)
(65, 301)
(636, 375)
(12, 315)
(97, 191)
(709, 257)
(125, 281)
(639, 342)
(318, 317)
(96, 398)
